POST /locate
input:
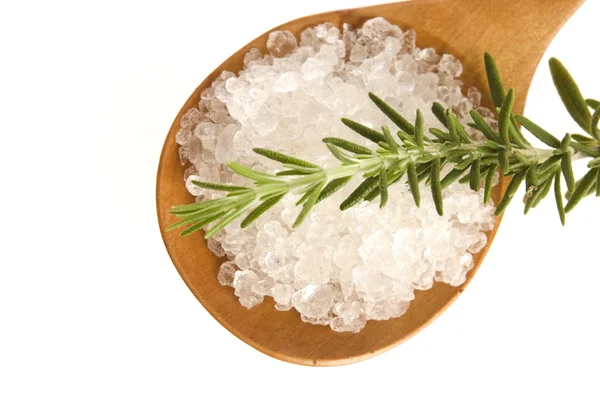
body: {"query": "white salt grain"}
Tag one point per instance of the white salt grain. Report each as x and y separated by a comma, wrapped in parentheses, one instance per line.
(339, 268)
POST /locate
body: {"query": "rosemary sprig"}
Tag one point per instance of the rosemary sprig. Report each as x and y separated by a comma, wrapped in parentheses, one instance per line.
(421, 157)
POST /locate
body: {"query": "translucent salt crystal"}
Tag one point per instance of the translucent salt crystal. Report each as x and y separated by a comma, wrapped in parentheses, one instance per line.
(263, 286)
(314, 69)
(348, 36)
(479, 243)
(379, 28)
(384, 310)
(252, 56)
(313, 301)
(340, 325)
(190, 119)
(281, 43)
(313, 270)
(183, 136)
(215, 247)
(226, 273)
(408, 42)
(189, 172)
(282, 293)
(235, 85)
(450, 65)
(474, 96)
(426, 58)
(348, 311)
(193, 188)
(286, 82)
(346, 255)
(183, 156)
(265, 123)
(243, 283)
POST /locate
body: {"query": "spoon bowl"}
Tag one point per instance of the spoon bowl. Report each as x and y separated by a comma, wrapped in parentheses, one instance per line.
(515, 33)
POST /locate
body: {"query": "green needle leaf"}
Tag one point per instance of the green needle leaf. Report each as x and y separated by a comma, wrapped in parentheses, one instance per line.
(282, 158)
(227, 219)
(413, 182)
(514, 184)
(339, 155)
(551, 161)
(252, 174)
(539, 132)
(592, 103)
(260, 210)
(436, 187)
(558, 198)
(347, 145)
(389, 139)
(567, 170)
(489, 179)
(504, 117)
(309, 204)
(475, 175)
(202, 223)
(582, 189)
(598, 185)
(392, 114)
(594, 124)
(532, 176)
(541, 193)
(292, 173)
(219, 187)
(570, 94)
(585, 149)
(484, 127)
(419, 132)
(360, 192)
(439, 112)
(451, 177)
(440, 135)
(506, 199)
(494, 81)
(504, 162)
(383, 188)
(332, 187)
(565, 143)
(368, 133)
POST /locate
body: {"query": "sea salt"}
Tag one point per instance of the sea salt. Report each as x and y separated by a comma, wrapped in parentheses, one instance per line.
(339, 269)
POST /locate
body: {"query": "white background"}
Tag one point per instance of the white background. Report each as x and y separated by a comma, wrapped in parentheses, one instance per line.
(90, 305)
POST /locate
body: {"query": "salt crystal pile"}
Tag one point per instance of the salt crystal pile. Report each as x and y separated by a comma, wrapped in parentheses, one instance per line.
(339, 268)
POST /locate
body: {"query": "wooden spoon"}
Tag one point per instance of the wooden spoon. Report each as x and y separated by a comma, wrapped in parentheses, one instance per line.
(516, 33)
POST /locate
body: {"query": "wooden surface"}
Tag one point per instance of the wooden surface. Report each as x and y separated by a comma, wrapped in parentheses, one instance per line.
(516, 33)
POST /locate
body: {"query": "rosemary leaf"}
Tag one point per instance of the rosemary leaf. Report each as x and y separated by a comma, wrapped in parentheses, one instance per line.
(504, 202)
(252, 174)
(551, 161)
(202, 219)
(227, 219)
(383, 188)
(516, 135)
(582, 189)
(339, 155)
(541, 193)
(598, 185)
(504, 117)
(484, 127)
(493, 77)
(567, 170)
(292, 173)
(219, 187)
(282, 158)
(582, 138)
(594, 123)
(514, 184)
(419, 132)
(332, 187)
(389, 139)
(413, 182)
(392, 114)
(364, 131)
(539, 132)
(570, 94)
(347, 145)
(579, 147)
(203, 223)
(532, 176)
(359, 193)
(489, 179)
(451, 177)
(436, 187)
(504, 162)
(438, 111)
(592, 103)
(260, 210)
(440, 135)
(475, 175)
(558, 198)
(312, 200)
